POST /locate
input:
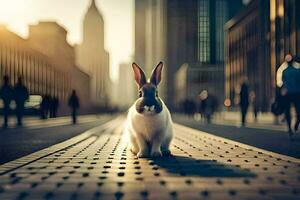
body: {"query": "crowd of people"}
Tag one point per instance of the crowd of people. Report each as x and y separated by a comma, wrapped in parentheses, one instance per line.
(206, 105)
(19, 94)
(49, 106)
(287, 95)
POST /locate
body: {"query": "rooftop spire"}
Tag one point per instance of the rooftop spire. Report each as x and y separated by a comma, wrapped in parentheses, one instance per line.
(93, 4)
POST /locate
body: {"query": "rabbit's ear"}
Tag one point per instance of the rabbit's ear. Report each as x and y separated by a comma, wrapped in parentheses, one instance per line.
(156, 74)
(139, 75)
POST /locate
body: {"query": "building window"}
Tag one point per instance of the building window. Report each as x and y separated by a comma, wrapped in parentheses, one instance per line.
(203, 31)
(221, 18)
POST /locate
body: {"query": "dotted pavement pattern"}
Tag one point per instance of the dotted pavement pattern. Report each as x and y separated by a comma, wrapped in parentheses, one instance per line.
(98, 165)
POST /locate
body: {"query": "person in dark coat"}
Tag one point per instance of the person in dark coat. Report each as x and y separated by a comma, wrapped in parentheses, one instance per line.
(46, 106)
(255, 105)
(208, 105)
(43, 106)
(55, 106)
(288, 80)
(20, 95)
(244, 100)
(74, 105)
(6, 94)
(189, 107)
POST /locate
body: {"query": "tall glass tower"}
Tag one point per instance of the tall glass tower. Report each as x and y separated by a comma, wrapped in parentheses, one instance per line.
(212, 16)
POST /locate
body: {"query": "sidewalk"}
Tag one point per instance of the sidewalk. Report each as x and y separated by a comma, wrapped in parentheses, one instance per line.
(270, 137)
(264, 120)
(97, 165)
(36, 122)
(38, 134)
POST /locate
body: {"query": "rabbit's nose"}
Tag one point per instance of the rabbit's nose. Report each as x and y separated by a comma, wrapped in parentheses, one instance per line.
(147, 108)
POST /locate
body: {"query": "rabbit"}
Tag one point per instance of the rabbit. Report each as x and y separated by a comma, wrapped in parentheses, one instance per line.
(149, 124)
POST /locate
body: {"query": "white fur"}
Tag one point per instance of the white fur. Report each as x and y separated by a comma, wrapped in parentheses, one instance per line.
(149, 133)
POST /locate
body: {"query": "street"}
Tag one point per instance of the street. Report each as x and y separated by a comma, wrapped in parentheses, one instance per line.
(38, 134)
(264, 136)
(97, 165)
(150, 99)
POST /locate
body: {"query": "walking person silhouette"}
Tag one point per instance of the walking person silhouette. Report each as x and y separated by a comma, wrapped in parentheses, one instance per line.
(288, 80)
(6, 94)
(21, 95)
(74, 105)
(244, 100)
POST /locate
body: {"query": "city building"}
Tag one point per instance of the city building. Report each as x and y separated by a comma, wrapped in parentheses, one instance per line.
(150, 38)
(258, 37)
(92, 57)
(188, 31)
(284, 32)
(18, 58)
(127, 88)
(48, 70)
(53, 36)
(81, 82)
(62, 56)
(191, 79)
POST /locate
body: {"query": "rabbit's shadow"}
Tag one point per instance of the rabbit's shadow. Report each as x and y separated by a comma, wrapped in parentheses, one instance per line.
(186, 166)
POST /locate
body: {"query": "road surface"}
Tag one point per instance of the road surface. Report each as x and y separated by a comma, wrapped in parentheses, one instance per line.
(97, 165)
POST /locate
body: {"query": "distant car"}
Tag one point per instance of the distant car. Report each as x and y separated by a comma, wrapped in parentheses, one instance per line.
(32, 105)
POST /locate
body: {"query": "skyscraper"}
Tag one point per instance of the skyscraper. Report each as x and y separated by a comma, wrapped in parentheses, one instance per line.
(150, 37)
(258, 38)
(92, 57)
(190, 31)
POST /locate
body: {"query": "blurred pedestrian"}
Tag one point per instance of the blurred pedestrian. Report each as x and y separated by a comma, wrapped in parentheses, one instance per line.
(55, 106)
(6, 94)
(254, 103)
(208, 105)
(288, 80)
(45, 106)
(244, 100)
(74, 105)
(278, 106)
(20, 95)
(189, 107)
(52, 106)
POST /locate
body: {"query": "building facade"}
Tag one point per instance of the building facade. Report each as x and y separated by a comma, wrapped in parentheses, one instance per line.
(18, 58)
(192, 31)
(92, 57)
(127, 88)
(50, 70)
(62, 55)
(284, 32)
(150, 38)
(191, 79)
(258, 37)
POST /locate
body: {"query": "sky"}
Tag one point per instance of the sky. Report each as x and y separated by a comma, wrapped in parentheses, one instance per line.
(118, 18)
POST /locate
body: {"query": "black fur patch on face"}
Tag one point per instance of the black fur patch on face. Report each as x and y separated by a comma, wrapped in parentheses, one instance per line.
(148, 97)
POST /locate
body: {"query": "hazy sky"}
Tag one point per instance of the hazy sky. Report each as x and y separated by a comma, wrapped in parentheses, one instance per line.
(118, 17)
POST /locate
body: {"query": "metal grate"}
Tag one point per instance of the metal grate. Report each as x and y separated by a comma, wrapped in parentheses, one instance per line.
(202, 167)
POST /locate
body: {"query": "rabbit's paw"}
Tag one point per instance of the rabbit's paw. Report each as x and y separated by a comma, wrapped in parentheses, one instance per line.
(134, 150)
(142, 154)
(156, 154)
